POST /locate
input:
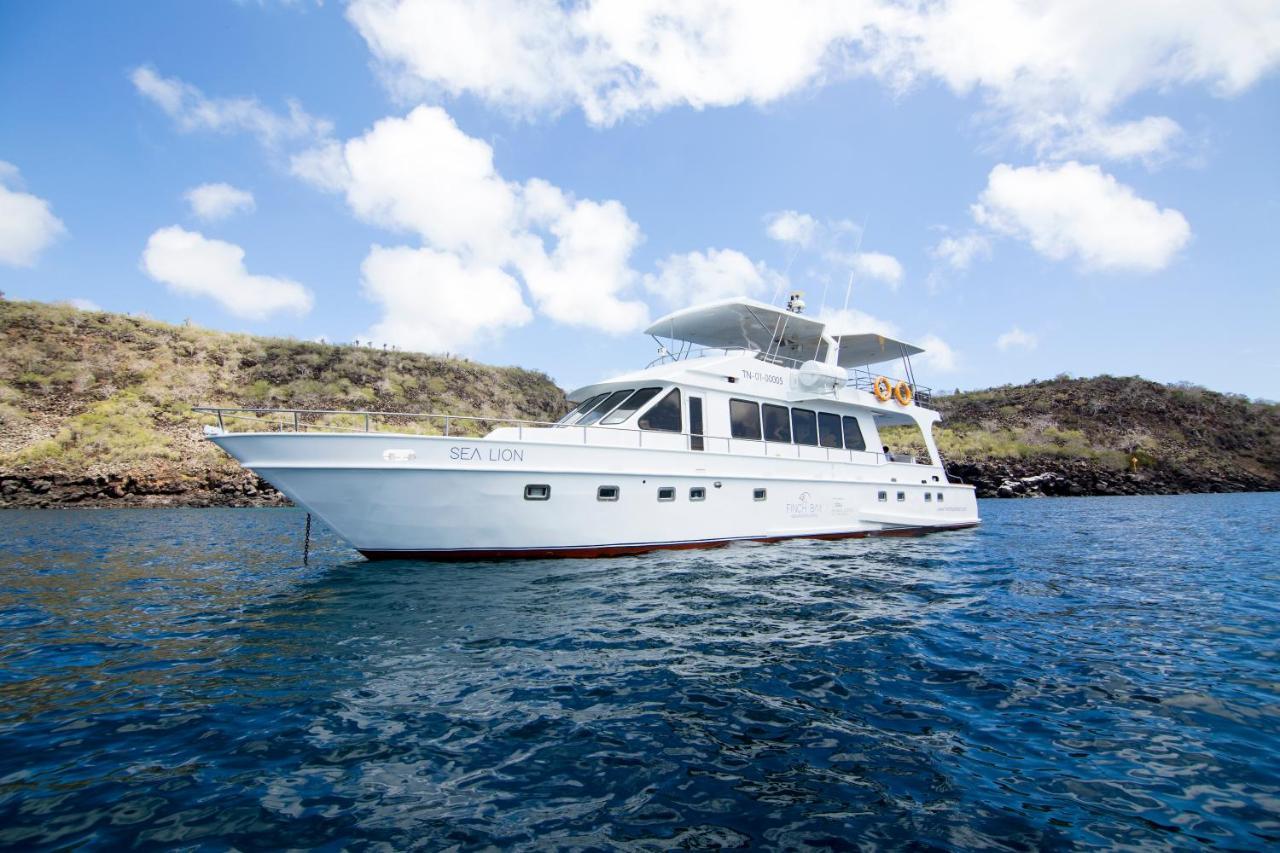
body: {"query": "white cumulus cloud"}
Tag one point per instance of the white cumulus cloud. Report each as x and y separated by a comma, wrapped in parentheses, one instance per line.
(192, 110)
(938, 355)
(421, 174)
(790, 226)
(878, 266)
(1074, 210)
(1052, 75)
(960, 252)
(434, 301)
(212, 202)
(693, 277)
(191, 264)
(1015, 338)
(27, 223)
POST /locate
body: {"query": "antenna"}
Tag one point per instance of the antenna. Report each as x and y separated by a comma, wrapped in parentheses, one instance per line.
(856, 249)
(785, 272)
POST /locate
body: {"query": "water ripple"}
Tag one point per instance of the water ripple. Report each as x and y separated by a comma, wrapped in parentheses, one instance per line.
(1074, 673)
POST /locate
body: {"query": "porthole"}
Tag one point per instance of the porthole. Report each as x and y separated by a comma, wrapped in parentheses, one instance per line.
(607, 493)
(667, 493)
(928, 497)
(697, 493)
(902, 496)
(939, 497)
(537, 492)
(882, 496)
(760, 494)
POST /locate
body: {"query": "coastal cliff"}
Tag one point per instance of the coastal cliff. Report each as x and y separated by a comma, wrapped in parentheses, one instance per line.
(95, 410)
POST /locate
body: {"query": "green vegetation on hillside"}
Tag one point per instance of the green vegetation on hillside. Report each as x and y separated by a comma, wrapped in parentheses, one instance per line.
(94, 393)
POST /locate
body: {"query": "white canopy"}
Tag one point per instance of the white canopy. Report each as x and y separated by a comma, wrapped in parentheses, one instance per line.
(865, 348)
(748, 323)
(742, 322)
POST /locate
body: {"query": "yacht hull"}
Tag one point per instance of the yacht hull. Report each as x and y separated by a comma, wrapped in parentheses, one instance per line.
(439, 498)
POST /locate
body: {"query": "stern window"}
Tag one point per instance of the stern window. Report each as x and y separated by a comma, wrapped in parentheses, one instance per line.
(744, 419)
(665, 414)
(853, 439)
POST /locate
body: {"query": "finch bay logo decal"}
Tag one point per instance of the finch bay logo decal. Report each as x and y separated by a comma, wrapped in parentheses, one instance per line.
(803, 506)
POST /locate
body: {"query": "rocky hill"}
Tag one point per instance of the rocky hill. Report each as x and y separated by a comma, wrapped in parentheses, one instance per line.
(95, 410)
(1109, 435)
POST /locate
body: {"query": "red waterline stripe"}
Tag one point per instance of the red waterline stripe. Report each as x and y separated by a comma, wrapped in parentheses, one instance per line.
(590, 551)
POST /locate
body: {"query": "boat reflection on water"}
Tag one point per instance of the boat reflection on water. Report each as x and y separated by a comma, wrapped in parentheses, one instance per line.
(176, 677)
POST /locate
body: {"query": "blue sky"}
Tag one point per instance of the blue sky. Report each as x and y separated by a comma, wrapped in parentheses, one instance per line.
(1025, 189)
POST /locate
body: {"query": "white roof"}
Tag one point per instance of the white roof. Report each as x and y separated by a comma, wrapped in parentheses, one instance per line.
(865, 348)
(742, 322)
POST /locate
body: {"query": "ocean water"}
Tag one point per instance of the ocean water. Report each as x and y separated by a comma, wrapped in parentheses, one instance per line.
(1076, 672)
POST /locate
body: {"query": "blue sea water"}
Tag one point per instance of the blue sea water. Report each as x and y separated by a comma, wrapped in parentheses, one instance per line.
(1076, 672)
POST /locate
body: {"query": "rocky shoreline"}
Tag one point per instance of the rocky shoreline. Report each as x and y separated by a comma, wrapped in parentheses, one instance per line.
(1049, 477)
(993, 478)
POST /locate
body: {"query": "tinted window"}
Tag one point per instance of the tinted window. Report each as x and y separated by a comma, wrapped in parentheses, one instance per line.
(604, 407)
(665, 415)
(744, 419)
(777, 423)
(828, 429)
(584, 406)
(634, 402)
(804, 426)
(853, 434)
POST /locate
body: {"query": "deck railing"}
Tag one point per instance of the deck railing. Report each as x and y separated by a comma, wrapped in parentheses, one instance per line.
(478, 426)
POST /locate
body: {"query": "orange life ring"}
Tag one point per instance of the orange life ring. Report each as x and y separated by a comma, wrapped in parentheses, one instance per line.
(883, 389)
(903, 393)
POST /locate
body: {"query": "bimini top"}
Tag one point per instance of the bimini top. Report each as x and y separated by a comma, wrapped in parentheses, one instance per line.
(753, 325)
(742, 322)
(863, 348)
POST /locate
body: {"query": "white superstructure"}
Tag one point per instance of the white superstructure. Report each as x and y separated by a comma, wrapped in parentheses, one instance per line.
(757, 424)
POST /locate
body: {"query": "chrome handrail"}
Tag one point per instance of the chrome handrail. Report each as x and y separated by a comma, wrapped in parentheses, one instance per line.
(291, 421)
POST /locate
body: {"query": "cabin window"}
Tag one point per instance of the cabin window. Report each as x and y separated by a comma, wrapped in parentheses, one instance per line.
(902, 496)
(744, 419)
(667, 493)
(928, 497)
(882, 496)
(853, 439)
(698, 493)
(696, 441)
(629, 408)
(584, 406)
(804, 426)
(665, 414)
(777, 423)
(607, 493)
(537, 492)
(604, 407)
(828, 429)
(760, 494)
(939, 497)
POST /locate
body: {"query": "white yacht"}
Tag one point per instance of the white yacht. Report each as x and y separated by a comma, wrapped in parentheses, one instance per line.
(755, 423)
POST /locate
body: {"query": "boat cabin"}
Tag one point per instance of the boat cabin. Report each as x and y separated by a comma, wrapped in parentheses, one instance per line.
(739, 376)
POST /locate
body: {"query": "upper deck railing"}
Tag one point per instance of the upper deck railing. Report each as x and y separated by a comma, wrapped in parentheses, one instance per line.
(474, 427)
(860, 378)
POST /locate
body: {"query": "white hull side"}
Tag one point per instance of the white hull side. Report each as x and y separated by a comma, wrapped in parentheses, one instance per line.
(433, 496)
